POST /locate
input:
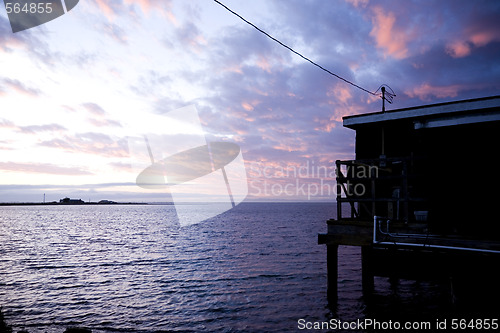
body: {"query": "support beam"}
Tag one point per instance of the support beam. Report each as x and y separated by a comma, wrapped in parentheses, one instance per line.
(367, 274)
(332, 268)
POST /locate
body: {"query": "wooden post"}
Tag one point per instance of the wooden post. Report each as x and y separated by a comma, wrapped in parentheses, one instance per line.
(332, 268)
(406, 212)
(374, 197)
(339, 190)
(367, 279)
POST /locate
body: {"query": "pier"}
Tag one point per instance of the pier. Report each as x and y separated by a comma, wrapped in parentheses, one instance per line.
(421, 197)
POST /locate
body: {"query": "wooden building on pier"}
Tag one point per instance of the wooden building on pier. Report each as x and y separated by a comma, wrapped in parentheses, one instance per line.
(421, 195)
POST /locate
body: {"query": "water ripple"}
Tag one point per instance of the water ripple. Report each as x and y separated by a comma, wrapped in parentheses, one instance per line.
(256, 268)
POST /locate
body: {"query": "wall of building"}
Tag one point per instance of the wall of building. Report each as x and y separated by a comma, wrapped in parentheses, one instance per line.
(454, 168)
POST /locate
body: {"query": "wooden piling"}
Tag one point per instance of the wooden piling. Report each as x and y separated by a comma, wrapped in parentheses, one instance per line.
(367, 275)
(332, 268)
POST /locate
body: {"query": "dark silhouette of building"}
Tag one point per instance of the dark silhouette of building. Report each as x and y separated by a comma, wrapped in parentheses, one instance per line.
(69, 201)
(420, 197)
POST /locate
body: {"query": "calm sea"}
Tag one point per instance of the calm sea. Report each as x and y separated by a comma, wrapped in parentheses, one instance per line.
(132, 268)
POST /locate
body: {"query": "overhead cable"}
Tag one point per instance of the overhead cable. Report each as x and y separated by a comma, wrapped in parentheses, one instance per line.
(297, 53)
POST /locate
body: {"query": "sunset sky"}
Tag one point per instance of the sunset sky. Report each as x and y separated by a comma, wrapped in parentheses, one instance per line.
(74, 89)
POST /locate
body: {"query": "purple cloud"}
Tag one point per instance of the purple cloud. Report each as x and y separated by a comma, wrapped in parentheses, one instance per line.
(44, 168)
(89, 143)
(99, 116)
(19, 87)
(31, 129)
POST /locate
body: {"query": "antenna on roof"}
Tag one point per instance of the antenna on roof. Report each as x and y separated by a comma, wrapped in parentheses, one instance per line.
(386, 96)
(383, 99)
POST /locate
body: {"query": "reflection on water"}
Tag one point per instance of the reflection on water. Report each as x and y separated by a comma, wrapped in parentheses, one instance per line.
(256, 268)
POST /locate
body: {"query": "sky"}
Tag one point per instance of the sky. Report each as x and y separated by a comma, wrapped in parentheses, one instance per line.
(76, 91)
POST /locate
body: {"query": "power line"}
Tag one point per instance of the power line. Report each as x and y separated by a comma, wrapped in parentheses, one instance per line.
(297, 53)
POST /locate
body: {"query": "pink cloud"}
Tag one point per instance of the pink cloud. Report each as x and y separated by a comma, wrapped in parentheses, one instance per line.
(247, 106)
(4, 123)
(426, 91)
(98, 116)
(115, 32)
(2, 147)
(189, 35)
(263, 63)
(473, 38)
(485, 37)
(340, 92)
(458, 49)
(235, 68)
(8, 43)
(114, 8)
(106, 8)
(290, 147)
(161, 6)
(20, 87)
(358, 3)
(89, 143)
(325, 125)
(387, 37)
(94, 108)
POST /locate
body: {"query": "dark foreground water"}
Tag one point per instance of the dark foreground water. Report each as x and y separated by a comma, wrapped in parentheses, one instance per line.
(256, 268)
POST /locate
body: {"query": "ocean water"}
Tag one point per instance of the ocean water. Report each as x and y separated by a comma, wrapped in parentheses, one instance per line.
(132, 268)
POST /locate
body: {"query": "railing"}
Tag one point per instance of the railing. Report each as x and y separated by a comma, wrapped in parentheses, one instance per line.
(381, 228)
(377, 187)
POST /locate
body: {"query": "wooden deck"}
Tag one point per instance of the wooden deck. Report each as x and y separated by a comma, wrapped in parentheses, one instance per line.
(360, 233)
(408, 252)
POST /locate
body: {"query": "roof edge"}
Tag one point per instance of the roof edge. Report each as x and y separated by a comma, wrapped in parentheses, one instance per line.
(422, 111)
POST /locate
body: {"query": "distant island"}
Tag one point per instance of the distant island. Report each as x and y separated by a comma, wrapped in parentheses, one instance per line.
(69, 201)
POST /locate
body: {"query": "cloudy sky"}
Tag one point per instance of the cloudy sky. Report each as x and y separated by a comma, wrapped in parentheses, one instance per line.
(74, 90)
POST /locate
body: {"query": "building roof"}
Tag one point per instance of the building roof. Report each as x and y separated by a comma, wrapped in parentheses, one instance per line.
(469, 111)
